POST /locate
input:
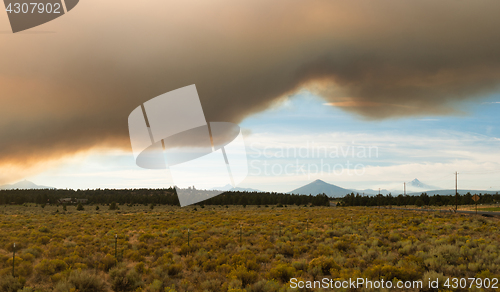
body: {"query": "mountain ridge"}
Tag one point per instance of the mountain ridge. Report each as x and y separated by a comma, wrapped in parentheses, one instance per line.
(229, 187)
(319, 187)
(24, 185)
(418, 184)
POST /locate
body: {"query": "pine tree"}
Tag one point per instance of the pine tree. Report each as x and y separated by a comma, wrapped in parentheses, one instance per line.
(113, 206)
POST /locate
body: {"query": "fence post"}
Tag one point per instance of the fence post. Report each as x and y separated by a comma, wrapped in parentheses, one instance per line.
(14, 261)
(116, 244)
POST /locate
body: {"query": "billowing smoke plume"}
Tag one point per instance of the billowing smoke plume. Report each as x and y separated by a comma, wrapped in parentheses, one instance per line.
(68, 86)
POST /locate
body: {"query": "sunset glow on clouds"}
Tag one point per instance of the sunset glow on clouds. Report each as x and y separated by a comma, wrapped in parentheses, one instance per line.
(418, 79)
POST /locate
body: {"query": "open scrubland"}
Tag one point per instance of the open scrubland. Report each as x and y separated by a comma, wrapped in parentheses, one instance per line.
(236, 248)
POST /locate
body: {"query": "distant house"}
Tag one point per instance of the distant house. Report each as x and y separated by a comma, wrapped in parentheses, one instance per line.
(64, 201)
(72, 201)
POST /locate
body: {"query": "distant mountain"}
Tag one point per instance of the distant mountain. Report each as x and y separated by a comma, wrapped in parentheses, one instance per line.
(229, 187)
(24, 185)
(452, 192)
(319, 187)
(238, 189)
(372, 192)
(418, 184)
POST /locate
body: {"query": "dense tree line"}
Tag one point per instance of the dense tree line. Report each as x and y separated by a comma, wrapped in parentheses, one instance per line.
(261, 198)
(155, 196)
(422, 200)
(97, 196)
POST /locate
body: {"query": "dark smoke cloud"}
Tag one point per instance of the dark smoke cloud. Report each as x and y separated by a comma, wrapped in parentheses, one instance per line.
(72, 90)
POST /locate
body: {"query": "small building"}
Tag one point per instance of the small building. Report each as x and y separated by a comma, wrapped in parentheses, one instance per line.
(64, 201)
(72, 201)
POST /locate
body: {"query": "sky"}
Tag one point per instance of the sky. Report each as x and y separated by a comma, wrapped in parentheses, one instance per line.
(302, 139)
(417, 81)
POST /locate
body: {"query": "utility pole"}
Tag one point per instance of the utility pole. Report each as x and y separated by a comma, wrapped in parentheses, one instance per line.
(378, 200)
(456, 191)
(116, 243)
(404, 197)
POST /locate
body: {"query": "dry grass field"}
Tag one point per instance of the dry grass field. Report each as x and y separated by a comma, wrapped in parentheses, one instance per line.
(235, 248)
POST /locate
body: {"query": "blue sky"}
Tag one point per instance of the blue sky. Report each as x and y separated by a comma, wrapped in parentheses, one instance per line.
(337, 146)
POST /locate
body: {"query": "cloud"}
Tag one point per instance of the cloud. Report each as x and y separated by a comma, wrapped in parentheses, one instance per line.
(388, 158)
(70, 91)
(363, 103)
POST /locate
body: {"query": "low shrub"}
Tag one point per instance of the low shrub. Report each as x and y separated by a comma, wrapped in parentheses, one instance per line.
(124, 279)
(10, 284)
(50, 267)
(282, 272)
(82, 281)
